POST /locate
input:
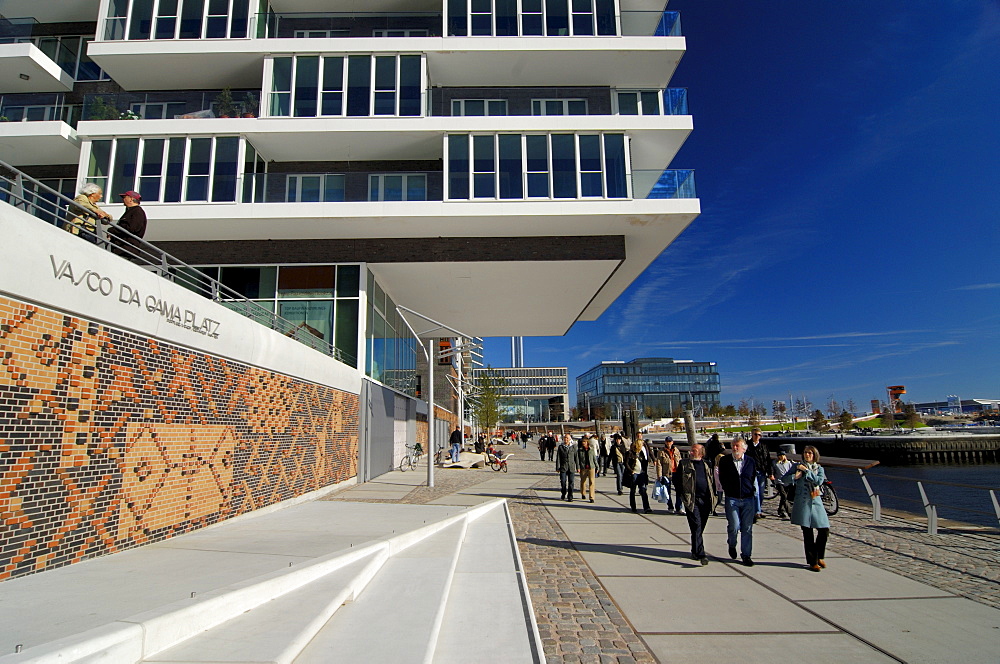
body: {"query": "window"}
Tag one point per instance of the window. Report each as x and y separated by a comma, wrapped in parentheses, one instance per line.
(177, 19)
(558, 106)
(311, 188)
(158, 110)
(311, 86)
(70, 53)
(639, 102)
(397, 187)
(515, 166)
(400, 33)
(168, 169)
(478, 107)
(320, 34)
(536, 17)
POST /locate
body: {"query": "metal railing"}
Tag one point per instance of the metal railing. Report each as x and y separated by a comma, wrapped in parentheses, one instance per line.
(920, 497)
(25, 193)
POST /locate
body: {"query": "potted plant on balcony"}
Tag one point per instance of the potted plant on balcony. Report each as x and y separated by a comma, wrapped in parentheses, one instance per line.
(4, 118)
(250, 105)
(224, 104)
(102, 110)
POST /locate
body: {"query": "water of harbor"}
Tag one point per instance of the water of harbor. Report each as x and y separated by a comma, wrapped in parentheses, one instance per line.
(954, 502)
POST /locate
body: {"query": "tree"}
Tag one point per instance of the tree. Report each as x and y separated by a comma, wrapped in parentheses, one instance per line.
(846, 421)
(851, 407)
(819, 422)
(489, 402)
(832, 407)
(753, 418)
(574, 413)
(912, 417)
(743, 410)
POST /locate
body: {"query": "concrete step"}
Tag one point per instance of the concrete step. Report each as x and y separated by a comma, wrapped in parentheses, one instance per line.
(489, 574)
(276, 631)
(398, 617)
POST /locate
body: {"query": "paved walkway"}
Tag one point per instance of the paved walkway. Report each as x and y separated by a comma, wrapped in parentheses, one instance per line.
(612, 586)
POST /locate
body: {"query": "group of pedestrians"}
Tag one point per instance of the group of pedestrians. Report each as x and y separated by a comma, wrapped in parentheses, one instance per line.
(85, 214)
(693, 484)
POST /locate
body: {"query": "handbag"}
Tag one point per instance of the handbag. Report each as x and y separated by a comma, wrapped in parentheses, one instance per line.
(628, 479)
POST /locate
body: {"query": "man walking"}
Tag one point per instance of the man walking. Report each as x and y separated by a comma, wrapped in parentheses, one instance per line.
(567, 464)
(738, 476)
(587, 462)
(762, 461)
(456, 444)
(781, 468)
(697, 489)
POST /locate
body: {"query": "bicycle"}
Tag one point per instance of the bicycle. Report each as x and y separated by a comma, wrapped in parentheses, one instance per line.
(412, 456)
(498, 463)
(827, 494)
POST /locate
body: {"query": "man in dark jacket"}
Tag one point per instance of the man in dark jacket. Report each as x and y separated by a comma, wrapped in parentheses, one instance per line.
(697, 489)
(456, 444)
(738, 476)
(762, 460)
(567, 464)
(132, 220)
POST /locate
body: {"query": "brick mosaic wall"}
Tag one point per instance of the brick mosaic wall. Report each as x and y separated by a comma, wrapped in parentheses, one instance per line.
(111, 440)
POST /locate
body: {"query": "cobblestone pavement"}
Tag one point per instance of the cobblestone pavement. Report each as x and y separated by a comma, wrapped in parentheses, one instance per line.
(577, 619)
(962, 562)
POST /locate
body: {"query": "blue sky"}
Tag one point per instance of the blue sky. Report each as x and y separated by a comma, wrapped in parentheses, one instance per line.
(847, 159)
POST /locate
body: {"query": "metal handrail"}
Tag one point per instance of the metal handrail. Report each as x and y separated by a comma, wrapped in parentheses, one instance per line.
(49, 205)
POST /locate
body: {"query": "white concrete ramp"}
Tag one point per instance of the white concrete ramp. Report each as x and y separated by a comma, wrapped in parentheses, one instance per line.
(407, 592)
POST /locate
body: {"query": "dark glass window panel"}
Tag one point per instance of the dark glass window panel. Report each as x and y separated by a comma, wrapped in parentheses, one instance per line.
(556, 18)
(537, 153)
(312, 318)
(409, 85)
(650, 103)
(583, 24)
(359, 85)
(141, 15)
(457, 20)
(563, 166)
(333, 86)
(531, 24)
(348, 280)
(590, 153)
(590, 185)
(240, 20)
(475, 107)
(306, 86)
(577, 107)
(126, 156)
(482, 25)
(506, 18)
(199, 164)
(392, 187)
(483, 154)
(192, 13)
(224, 182)
(175, 170)
(333, 188)
(385, 103)
(511, 185)
(385, 72)
(458, 166)
(311, 281)
(346, 338)
(310, 188)
(498, 107)
(88, 70)
(250, 282)
(553, 107)
(416, 188)
(215, 27)
(628, 103)
(614, 166)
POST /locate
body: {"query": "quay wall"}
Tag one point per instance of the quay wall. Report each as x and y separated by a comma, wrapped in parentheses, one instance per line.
(901, 448)
(119, 428)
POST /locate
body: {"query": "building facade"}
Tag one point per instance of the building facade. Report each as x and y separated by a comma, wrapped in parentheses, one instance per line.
(502, 168)
(656, 386)
(532, 394)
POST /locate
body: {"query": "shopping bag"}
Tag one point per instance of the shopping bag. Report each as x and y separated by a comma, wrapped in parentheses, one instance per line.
(658, 492)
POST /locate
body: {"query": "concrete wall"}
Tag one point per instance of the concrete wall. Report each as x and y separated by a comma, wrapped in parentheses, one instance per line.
(120, 427)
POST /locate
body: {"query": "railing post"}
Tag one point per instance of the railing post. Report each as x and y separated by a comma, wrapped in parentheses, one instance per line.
(996, 505)
(874, 497)
(931, 510)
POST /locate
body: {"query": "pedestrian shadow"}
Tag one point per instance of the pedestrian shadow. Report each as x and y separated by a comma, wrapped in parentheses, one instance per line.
(675, 557)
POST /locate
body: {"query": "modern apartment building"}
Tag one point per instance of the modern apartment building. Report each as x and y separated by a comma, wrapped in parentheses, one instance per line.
(500, 167)
(655, 386)
(532, 394)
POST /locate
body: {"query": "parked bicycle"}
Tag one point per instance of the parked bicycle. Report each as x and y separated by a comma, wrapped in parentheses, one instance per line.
(412, 456)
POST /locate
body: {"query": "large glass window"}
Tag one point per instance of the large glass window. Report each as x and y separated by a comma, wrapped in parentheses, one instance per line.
(177, 19)
(168, 170)
(558, 106)
(391, 348)
(478, 107)
(314, 187)
(397, 187)
(311, 85)
(516, 166)
(639, 102)
(537, 17)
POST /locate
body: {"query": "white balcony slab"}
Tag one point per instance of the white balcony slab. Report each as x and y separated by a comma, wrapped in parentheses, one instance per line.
(452, 61)
(25, 68)
(63, 11)
(38, 143)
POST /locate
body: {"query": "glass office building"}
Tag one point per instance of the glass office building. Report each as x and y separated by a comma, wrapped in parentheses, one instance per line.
(533, 394)
(657, 386)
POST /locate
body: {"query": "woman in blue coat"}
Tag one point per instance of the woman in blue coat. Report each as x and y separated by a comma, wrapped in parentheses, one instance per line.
(807, 510)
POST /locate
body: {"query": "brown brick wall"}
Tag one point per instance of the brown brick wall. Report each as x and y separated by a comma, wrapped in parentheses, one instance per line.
(111, 440)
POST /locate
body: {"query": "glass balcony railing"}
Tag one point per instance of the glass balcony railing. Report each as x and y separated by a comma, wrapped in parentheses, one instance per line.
(325, 25)
(170, 105)
(670, 183)
(38, 107)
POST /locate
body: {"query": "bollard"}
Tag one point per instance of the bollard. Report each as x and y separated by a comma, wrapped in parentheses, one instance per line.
(874, 497)
(931, 510)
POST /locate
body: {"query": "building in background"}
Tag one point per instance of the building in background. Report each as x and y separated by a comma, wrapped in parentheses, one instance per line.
(656, 386)
(533, 394)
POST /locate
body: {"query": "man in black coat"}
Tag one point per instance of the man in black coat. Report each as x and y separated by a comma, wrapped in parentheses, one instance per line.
(738, 476)
(132, 220)
(765, 468)
(567, 464)
(697, 490)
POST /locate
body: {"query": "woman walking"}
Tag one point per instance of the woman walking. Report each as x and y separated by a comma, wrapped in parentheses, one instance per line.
(636, 463)
(807, 510)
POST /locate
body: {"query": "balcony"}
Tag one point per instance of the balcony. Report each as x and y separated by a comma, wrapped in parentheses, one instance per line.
(57, 11)
(26, 68)
(38, 129)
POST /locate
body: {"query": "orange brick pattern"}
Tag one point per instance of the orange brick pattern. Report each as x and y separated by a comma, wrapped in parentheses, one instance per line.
(111, 440)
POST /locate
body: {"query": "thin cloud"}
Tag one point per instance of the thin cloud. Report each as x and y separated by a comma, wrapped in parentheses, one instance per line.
(989, 286)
